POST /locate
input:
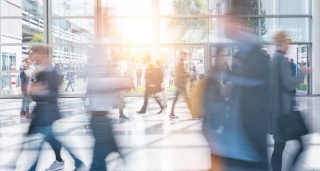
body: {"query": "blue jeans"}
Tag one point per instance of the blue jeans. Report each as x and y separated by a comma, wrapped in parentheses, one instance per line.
(104, 141)
(25, 102)
(55, 144)
(69, 84)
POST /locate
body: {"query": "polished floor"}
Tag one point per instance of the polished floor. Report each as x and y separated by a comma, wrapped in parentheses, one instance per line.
(150, 142)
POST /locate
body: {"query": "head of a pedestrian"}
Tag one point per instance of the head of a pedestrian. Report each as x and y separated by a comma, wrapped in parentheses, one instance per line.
(280, 41)
(201, 61)
(183, 55)
(219, 59)
(41, 53)
(27, 62)
(31, 56)
(291, 60)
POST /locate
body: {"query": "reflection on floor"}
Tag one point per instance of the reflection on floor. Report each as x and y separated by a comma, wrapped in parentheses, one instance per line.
(149, 142)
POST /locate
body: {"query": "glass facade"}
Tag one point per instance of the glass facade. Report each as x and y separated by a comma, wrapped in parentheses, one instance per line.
(136, 28)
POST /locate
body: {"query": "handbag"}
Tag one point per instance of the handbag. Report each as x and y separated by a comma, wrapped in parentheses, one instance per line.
(292, 126)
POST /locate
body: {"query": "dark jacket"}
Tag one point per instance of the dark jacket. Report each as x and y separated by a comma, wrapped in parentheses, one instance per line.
(154, 75)
(180, 76)
(281, 84)
(24, 81)
(46, 110)
(252, 95)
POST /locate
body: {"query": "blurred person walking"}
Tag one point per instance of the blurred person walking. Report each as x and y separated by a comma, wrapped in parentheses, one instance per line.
(154, 79)
(102, 87)
(181, 77)
(45, 93)
(193, 75)
(213, 94)
(172, 74)
(241, 139)
(139, 75)
(281, 103)
(163, 84)
(26, 77)
(200, 69)
(70, 78)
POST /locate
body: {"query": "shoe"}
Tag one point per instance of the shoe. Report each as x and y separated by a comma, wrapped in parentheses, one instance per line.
(56, 165)
(141, 112)
(124, 117)
(65, 90)
(173, 117)
(162, 108)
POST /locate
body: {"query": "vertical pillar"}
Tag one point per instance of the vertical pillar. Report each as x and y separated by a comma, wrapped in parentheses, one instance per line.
(0, 52)
(315, 47)
(155, 29)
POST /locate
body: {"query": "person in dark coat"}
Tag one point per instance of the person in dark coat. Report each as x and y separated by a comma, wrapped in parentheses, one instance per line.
(281, 84)
(251, 93)
(154, 79)
(45, 93)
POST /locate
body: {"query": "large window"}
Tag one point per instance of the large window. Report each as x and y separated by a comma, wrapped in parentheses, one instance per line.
(135, 29)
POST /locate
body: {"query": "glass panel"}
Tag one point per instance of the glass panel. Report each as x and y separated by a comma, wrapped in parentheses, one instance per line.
(128, 7)
(217, 7)
(72, 7)
(63, 56)
(21, 30)
(130, 31)
(297, 28)
(21, 8)
(218, 33)
(183, 7)
(73, 30)
(275, 7)
(11, 58)
(73, 80)
(182, 30)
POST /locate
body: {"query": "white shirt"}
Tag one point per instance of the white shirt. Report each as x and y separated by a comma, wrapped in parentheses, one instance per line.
(200, 68)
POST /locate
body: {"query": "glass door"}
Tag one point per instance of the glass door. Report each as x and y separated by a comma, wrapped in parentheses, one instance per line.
(302, 60)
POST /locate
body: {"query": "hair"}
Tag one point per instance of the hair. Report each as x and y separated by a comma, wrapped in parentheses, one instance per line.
(279, 37)
(219, 55)
(183, 54)
(43, 49)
